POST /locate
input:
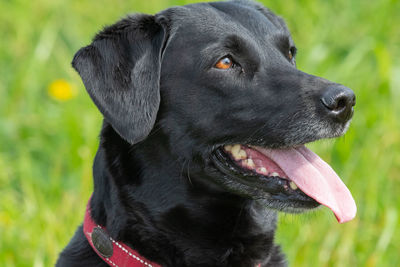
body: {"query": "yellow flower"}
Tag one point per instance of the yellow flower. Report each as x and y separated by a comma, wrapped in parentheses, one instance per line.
(61, 90)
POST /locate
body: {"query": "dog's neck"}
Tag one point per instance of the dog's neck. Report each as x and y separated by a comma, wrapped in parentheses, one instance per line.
(168, 216)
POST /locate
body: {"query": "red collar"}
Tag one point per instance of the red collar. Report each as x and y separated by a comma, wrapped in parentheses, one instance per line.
(114, 253)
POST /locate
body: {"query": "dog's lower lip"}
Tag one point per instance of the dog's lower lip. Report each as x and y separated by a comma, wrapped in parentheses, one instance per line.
(269, 182)
(274, 189)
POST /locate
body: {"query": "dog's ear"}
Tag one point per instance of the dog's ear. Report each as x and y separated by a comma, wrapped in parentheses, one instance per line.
(121, 72)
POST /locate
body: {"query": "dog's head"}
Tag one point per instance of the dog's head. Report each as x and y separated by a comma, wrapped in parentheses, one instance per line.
(219, 81)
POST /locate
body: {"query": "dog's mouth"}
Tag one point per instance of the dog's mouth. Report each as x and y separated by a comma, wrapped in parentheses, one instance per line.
(292, 175)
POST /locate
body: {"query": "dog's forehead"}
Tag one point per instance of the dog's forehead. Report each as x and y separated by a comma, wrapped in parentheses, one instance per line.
(216, 19)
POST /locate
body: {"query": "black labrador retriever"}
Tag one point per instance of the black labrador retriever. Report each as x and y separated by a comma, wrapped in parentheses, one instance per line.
(205, 121)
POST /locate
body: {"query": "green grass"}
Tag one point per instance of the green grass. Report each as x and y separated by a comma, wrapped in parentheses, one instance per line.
(47, 146)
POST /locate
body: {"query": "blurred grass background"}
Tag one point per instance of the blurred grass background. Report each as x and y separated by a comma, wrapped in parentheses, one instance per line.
(48, 139)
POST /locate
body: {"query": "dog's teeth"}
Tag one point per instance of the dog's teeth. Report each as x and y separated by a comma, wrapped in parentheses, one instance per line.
(235, 149)
(238, 153)
(293, 185)
(228, 148)
(250, 163)
(242, 154)
(262, 170)
(274, 174)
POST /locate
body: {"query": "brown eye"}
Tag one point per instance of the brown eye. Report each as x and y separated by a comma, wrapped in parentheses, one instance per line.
(224, 63)
(290, 55)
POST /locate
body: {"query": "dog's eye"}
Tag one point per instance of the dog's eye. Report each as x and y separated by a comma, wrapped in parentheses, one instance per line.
(291, 53)
(224, 63)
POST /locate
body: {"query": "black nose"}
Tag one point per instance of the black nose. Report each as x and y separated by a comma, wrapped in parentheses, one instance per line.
(339, 101)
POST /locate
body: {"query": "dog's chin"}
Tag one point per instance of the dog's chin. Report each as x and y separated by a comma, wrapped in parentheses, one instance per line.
(271, 187)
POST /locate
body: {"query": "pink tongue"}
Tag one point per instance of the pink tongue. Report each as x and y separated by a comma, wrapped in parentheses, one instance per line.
(315, 178)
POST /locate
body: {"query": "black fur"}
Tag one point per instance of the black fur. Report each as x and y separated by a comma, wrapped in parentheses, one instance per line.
(167, 108)
(121, 72)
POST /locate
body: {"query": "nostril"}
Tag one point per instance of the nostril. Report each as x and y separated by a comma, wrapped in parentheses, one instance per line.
(329, 102)
(339, 101)
(341, 104)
